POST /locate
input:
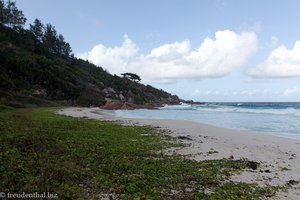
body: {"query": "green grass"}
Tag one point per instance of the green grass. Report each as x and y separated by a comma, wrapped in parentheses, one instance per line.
(87, 159)
(4, 108)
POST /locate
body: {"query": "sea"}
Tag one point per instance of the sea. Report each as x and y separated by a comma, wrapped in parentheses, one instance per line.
(274, 118)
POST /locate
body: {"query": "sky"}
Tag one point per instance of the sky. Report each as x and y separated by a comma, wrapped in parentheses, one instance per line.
(204, 50)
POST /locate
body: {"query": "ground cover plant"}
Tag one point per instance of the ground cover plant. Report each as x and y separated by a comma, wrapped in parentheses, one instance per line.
(88, 159)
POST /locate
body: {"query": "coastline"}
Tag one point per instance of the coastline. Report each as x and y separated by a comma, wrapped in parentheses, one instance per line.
(279, 157)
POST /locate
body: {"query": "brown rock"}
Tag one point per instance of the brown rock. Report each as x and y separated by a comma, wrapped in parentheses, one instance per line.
(128, 106)
(151, 106)
(112, 105)
(115, 104)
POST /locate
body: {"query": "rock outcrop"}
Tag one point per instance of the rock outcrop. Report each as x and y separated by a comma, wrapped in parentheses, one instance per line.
(124, 105)
(193, 102)
(40, 93)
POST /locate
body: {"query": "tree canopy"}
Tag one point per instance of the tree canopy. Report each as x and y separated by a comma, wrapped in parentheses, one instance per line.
(131, 76)
(51, 41)
(37, 28)
(46, 36)
(10, 15)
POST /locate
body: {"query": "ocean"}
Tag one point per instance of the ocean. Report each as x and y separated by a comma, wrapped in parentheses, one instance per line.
(275, 118)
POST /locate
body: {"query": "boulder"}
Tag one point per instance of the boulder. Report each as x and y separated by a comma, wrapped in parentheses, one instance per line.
(170, 100)
(109, 92)
(40, 93)
(130, 96)
(129, 106)
(124, 105)
(112, 105)
(121, 96)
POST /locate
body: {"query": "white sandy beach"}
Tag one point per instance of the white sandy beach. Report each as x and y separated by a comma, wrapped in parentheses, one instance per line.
(279, 158)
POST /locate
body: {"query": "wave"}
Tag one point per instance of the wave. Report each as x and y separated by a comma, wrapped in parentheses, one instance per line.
(274, 118)
(263, 105)
(260, 108)
(182, 106)
(286, 111)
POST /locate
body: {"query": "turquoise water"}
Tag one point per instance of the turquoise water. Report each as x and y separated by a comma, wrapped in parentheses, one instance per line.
(282, 119)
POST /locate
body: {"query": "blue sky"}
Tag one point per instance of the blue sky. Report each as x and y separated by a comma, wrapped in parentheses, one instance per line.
(206, 50)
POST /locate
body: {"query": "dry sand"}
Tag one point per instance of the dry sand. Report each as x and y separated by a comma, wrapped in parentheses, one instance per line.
(279, 157)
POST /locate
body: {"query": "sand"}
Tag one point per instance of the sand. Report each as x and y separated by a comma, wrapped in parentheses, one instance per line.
(279, 157)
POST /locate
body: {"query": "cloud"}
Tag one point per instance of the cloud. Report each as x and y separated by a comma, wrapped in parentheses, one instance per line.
(252, 92)
(200, 93)
(215, 57)
(281, 63)
(237, 94)
(291, 91)
(114, 59)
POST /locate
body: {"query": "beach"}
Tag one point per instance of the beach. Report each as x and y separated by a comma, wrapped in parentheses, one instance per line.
(278, 157)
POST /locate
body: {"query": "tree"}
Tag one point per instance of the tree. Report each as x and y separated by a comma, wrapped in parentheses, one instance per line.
(13, 17)
(55, 44)
(37, 28)
(49, 39)
(64, 48)
(3, 13)
(132, 77)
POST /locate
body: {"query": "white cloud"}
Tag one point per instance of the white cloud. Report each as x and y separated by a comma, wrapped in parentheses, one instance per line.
(282, 62)
(169, 52)
(114, 59)
(200, 93)
(251, 92)
(292, 91)
(169, 62)
(238, 93)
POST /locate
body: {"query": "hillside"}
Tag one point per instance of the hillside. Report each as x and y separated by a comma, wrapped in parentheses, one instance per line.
(33, 74)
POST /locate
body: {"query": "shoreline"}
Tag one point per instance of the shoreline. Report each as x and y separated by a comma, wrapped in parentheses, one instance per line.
(279, 157)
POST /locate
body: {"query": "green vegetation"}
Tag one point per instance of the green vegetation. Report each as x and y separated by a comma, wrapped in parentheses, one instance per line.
(45, 36)
(11, 16)
(5, 108)
(37, 68)
(83, 158)
(132, 76)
